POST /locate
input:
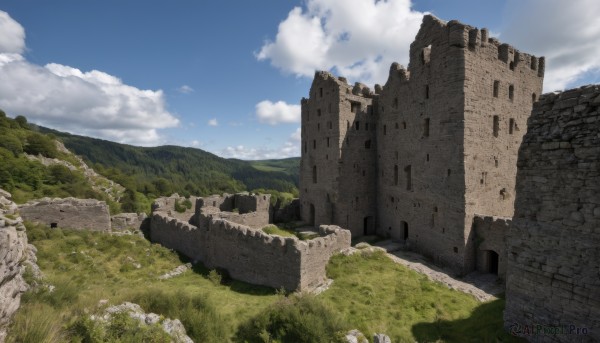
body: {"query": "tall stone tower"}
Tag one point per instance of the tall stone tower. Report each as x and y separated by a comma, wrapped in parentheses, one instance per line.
(337, 178)
(443, 139)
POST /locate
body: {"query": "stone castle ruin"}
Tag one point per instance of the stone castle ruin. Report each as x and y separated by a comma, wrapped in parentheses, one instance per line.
(225, 232)
(69, 213)
(419, 158)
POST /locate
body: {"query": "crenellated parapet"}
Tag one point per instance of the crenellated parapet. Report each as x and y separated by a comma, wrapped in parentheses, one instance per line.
(236, 242)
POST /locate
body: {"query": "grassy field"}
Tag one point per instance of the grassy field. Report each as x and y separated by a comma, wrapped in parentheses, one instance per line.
(370, 293)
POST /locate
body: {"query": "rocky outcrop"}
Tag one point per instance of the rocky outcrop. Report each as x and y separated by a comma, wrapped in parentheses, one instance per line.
(69, 213)
(172, 327)
(16, 257)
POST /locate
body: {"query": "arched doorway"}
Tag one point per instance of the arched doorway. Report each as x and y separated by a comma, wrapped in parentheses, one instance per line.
(492, 258)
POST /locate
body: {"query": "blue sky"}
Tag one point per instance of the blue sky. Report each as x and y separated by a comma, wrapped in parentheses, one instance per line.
(228, 76)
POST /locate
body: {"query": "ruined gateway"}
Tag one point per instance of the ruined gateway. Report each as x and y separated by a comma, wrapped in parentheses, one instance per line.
(417, 159)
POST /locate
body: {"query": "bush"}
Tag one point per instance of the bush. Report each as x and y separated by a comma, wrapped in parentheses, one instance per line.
(22, 121)
(38, 144)
(12, 144)
(294, 319)
(215, 277)
(179, 207)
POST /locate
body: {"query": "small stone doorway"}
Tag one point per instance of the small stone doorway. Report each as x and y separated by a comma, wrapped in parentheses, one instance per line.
(312, 215)
(404, 226)
(368, 226)
(492, 258)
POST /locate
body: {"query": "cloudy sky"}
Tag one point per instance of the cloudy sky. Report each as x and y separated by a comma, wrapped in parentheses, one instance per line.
(227, 76)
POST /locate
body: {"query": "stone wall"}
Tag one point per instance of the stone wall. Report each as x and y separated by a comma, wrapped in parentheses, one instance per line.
(15, 255)
(68, 213)
(124, 221)
(287, 213)
(491, 246)
(247, 253)
(553, 260)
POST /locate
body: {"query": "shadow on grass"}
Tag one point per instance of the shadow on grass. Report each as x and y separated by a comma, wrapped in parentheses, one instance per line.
(485, 324)
(234, 285)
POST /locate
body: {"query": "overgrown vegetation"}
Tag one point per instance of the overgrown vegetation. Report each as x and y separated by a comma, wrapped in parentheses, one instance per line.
(369, 293)
(29, 179)
(289, 230)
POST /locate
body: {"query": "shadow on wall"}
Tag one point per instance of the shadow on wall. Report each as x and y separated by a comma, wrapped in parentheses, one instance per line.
(485, 324)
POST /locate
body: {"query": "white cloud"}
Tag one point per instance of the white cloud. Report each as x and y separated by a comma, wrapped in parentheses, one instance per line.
(358, 38)
(196, 143)
(568, 35)
(213, 122)
(90, 103)
(277, 113)
(12, 35)
(185, 89)
(290, 148)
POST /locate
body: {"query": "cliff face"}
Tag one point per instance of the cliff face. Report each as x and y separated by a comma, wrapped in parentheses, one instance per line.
(15, 256)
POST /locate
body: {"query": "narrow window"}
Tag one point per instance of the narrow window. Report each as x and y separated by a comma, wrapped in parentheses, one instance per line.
(357, 125)
(426, 127)
(367, 126)
(314, 143)
(511, 126)
(330, 125)
(314, 174)
(368, 144)
(511, 92)
(533, 97)
(404, 125)
(319, 127)
(496, 125)
(408, 175)
(369, 109)
(347, 125)
(456, 250)
(449, 172)
(305, 147)
(321, 92)
(396, 103)
(397, 127)
(396, 175)
(496, 88)
(427, 157)
(427, 92)
(384, 130)
(328, 142)
(512, 66)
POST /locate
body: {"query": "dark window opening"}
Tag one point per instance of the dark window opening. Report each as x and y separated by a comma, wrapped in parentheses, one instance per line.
(368, 144)
(492, 262)
(427, 92)
(369, 109)
(318, 113)
(496, 88)
(533, 97)
(314, 143)
(354, 107)
(347, 125)
(396, 103)
(456, 250)
(330, 125)
(449, 172)
(408, 176)
(427, 157)
(511, 126)
(404, 125)
(314, 176)
(396, 175)
(496, 126)
(328, 142)
(53, 225)
(357, 125)
(367, 126)
(512, 66)
(319, 127)
(511, 92)
(404, 226)
(392, 199)
(426, 127)
(321, 92)
(384, 130)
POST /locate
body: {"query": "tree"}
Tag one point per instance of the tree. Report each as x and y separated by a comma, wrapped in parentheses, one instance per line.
(38, 144)
(12, 144)
(22, 121)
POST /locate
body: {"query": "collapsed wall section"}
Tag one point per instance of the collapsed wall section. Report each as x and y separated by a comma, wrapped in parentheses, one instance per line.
(553, 260)
(68, 213)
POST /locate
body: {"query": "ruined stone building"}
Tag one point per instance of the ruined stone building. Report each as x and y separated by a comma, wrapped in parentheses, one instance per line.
(418, 158)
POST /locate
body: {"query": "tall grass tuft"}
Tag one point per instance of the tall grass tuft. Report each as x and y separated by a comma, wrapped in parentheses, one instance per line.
(37, 323)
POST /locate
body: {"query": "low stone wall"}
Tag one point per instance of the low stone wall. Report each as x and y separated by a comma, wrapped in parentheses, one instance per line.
(248, 253)
(490, 233)
(124, 221)
(69, 213)
(554, 256)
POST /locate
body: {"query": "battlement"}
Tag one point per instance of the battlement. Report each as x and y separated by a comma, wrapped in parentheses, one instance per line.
(236, 242)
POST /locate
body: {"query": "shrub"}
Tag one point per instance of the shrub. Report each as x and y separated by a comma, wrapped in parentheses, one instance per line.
(38, 144)
(22, 121)
(12, 144)
(179, 207)
(294, 319)
(215, 277)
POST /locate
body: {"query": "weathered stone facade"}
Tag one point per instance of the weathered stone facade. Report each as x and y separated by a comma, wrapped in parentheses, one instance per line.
(68, 213)
(234, 241)
(124, 221)
(553, 279)
(416, 159)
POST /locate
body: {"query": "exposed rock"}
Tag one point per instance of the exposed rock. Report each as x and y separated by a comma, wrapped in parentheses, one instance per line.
(355, 336)
(177, 271)
(381, 338)
(172, 327)
(16, 257)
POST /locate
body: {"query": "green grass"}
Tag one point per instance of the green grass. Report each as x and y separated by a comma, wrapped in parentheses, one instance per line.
(370, 293)
(276, 230)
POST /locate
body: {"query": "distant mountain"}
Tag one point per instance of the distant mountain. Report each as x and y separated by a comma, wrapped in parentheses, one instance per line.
(166, 169)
